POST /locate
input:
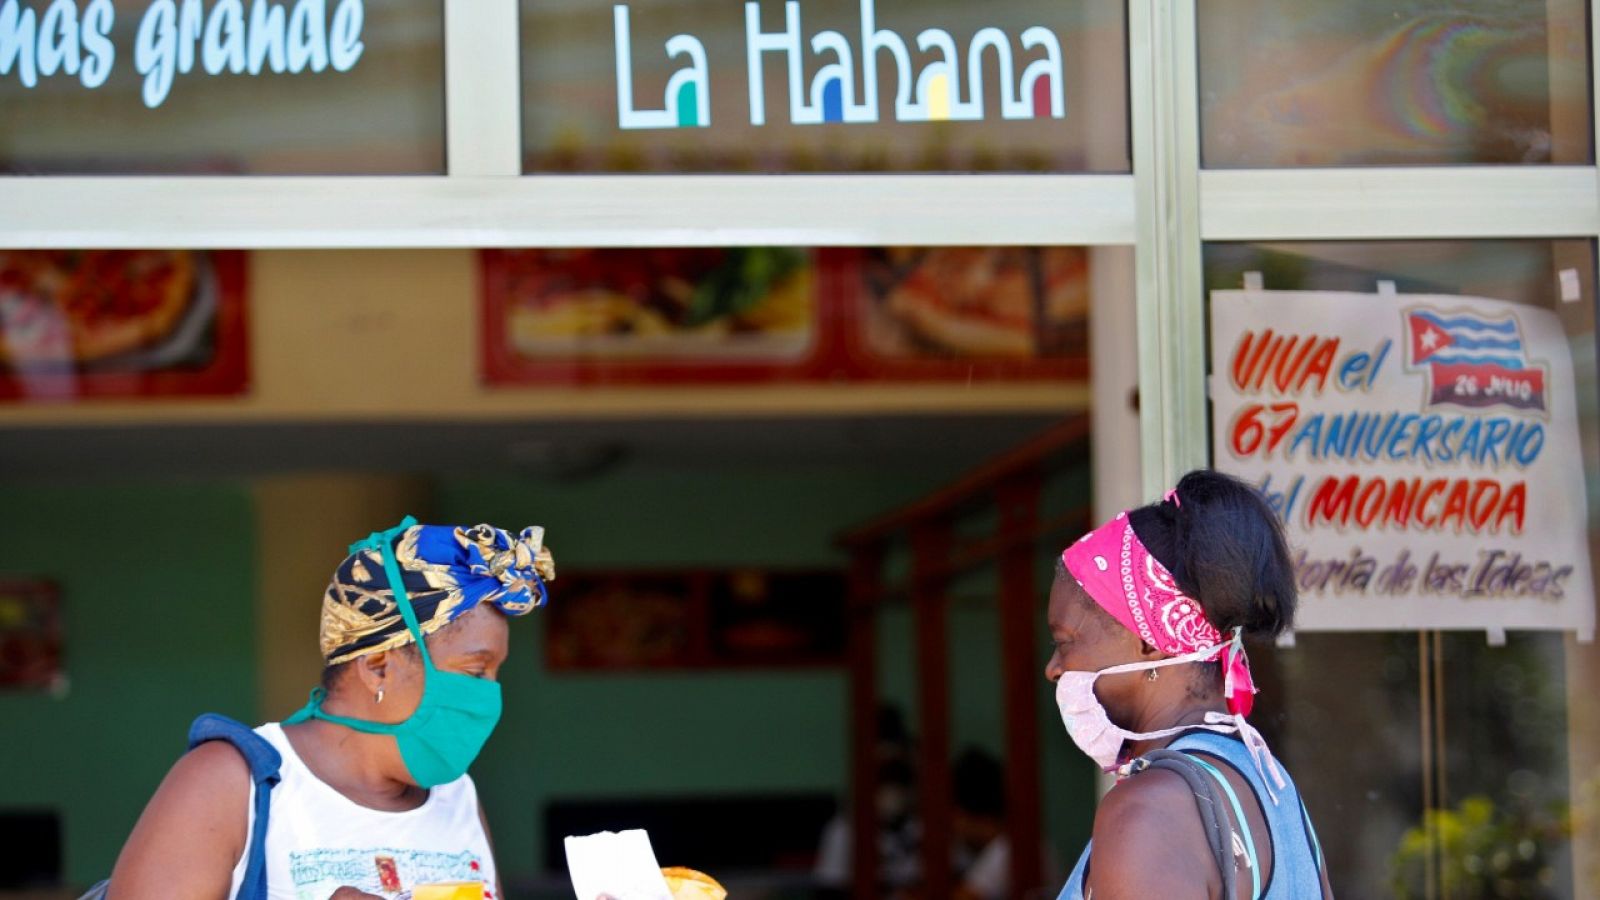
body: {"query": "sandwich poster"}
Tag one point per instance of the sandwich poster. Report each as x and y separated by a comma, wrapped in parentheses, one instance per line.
(121, 323)
(778, 314)
(1422, 449)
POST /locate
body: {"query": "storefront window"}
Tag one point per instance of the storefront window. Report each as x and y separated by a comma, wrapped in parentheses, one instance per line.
(824, 85)
(284, 87)
(784, 314)
(1478, 738)
(701, 430)
(1340, 83)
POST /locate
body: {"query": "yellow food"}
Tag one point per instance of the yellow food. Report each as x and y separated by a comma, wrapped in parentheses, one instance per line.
(449, 890)
(687, 884)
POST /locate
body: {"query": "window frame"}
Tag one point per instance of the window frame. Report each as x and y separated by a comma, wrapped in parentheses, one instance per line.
(1167, 208)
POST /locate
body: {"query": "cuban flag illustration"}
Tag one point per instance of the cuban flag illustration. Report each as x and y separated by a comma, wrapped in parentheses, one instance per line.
(1474, 361)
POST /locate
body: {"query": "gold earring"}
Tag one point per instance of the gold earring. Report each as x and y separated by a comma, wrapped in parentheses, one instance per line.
(380, 695)
(1152, 675)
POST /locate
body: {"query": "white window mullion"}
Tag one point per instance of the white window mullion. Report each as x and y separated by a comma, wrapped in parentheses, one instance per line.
(1377, 203)
(567, 211)
(483, 116)
(1166, 152)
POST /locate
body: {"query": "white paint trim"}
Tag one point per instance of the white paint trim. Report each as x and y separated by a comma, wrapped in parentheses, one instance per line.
(1372, 204)
(482, 74)
(567, 211)
(1166, 152)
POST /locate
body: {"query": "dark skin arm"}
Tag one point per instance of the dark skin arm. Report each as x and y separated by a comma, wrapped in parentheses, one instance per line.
(198, 815)
(1137, 816)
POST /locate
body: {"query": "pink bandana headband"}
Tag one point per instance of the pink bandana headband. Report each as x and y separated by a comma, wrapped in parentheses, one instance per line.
(1114, 567)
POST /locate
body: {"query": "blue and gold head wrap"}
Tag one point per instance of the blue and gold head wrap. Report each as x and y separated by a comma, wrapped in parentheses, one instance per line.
(447, 571)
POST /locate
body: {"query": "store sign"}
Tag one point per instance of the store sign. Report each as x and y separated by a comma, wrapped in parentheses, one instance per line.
(1423, 451)
(949, 87)
(176, 36)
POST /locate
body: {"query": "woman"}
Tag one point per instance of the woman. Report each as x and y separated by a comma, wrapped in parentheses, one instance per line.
(373, 797)
(1147, 614)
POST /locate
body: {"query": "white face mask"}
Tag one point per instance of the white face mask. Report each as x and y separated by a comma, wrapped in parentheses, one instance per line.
(1092, 729)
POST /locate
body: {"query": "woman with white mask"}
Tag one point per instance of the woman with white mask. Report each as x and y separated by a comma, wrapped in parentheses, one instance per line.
(1148, 615)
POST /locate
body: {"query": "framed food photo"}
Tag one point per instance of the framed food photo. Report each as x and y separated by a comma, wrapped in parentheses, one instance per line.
(650, 316)
(30, 635)
(697, 619)
(80, 324)
(966, 313)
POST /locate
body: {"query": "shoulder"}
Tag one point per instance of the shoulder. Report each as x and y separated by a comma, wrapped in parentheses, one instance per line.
(1143, 802)
(207, 792)
(1151, 815)
(193, 830)
(214, 773)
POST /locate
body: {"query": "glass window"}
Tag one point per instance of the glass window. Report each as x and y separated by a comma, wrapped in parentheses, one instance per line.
(824, 85)
(1372, 82)
(782, 314)
(1479, 751)
(281, 87)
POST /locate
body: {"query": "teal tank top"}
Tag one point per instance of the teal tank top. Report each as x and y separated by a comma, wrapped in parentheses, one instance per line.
(1296, 855)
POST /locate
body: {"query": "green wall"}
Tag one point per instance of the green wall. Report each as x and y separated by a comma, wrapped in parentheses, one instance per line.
(157, 587)
(158, 583)
(664, 734)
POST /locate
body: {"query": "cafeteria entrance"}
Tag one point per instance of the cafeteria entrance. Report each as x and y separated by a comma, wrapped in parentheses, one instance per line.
(712, 490)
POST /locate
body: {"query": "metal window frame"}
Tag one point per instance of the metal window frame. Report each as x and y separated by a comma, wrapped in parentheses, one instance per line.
(1182, 206)
(1167, 208)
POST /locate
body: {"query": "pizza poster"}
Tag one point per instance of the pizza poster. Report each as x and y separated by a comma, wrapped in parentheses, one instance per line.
(752, 315)
(78, 324)
(1423, 451)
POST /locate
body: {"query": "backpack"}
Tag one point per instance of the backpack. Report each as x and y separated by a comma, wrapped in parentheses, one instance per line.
(264, 761)
(1225, 847)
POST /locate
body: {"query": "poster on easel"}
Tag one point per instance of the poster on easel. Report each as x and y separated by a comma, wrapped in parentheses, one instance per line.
(1423, 451)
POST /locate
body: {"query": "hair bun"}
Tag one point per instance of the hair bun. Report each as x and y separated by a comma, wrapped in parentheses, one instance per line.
(1224, 546)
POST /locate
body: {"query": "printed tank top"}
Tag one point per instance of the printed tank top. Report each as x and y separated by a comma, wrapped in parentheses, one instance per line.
(1296, 856)
(318, 840)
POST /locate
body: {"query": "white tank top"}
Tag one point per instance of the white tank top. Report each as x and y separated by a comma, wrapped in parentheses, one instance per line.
(318, 840)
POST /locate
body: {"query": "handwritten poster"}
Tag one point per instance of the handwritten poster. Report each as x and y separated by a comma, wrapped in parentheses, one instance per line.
(1423, 451)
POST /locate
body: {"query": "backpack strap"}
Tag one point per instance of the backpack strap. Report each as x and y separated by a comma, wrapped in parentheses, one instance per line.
(265, 762)
(1209, 800)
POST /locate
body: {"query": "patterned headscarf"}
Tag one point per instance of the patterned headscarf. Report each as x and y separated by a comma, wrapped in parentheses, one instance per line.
(447, 571)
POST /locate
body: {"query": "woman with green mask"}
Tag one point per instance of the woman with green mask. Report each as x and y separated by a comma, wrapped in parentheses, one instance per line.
(369, 795)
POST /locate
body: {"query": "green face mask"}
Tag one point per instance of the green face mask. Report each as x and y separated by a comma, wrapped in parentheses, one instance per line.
(457, 713)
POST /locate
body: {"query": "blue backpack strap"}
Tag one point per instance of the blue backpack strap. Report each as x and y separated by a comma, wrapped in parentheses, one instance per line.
(264, 761)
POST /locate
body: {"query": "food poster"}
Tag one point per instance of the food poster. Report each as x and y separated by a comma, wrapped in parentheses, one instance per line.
(958, 312)
(623, 315)
(30, 635)
(102, 323)
(1422, 449)
(697, 619)
(741, 315)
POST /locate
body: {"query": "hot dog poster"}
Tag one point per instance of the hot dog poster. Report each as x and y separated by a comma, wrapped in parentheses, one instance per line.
(1422, 449)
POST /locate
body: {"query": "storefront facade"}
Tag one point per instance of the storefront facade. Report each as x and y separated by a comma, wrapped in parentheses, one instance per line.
(1195, 172)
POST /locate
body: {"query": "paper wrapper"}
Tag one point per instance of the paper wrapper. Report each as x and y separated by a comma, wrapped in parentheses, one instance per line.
(620, 865)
